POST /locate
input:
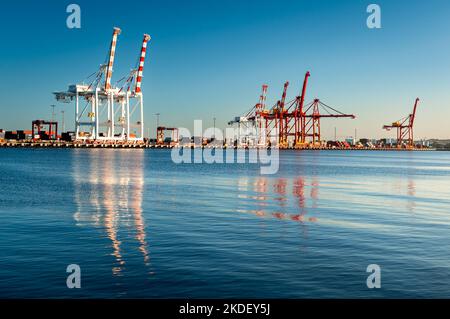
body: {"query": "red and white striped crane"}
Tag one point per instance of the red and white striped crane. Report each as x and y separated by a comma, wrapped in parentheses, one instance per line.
(100, 96)
(262, 99)
(112, 52)
(135, 75)
(141, 63)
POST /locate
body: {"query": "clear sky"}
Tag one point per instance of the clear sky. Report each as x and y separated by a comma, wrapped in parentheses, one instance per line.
(209, 58)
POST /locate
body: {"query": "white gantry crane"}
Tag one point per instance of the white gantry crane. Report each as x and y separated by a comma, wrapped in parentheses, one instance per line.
(95, 103)
(249, 128)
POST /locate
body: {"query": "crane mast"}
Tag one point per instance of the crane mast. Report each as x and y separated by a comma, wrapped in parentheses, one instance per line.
(282, 127)
(260, 107)
(283, 97)
(262, 99)
(300, 134)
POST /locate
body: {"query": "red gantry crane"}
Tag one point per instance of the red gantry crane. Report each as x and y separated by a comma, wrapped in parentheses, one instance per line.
(286, 120)
(161, 138)
(298, 120)
(280, 119)
(405, 128)
(318, 110)
(300, 136)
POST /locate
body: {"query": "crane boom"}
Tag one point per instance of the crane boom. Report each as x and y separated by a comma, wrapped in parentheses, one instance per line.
(141, 63)
(302, 97)
(283, 97)
(263, 96)
(300, 122)
(413, 115)
(112, 51)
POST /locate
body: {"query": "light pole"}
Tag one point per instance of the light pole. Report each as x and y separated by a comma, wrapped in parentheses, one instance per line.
(157, 125)
(157, 119)
(63, 128)
(214, 136)
(51, 125)
(53, 112)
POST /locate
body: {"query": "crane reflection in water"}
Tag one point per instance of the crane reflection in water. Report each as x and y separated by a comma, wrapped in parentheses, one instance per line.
(272, 197)
(108, 194)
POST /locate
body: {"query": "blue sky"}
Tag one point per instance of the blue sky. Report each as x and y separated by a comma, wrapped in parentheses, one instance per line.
(209, 58)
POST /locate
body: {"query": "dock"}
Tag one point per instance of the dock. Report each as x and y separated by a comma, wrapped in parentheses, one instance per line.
(63, 144)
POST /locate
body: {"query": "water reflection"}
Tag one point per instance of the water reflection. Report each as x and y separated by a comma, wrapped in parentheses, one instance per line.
(274, 197)
(279, 188)
(315, 192)
(411, 186)
(108, 194)
(298, 191)
(411, 192)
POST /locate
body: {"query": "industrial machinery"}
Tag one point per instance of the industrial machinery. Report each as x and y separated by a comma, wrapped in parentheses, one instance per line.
(38, 131)
(99, 113)
(287, 123)
(405, 128)
(160, 135)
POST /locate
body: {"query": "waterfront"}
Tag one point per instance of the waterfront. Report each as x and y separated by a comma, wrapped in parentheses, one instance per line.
(141, 226)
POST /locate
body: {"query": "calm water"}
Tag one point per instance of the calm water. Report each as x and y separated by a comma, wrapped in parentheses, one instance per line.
(140, 226)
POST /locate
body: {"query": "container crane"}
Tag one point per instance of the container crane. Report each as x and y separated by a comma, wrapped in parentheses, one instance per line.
(280, 121)
(299, 116)
(301, 121)
(252, 119)
(283, 125)
(133, 94)
(100, 96)
(289, 119)
(161, 139)
(260, 108)
(313, 114)
(405, 128)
